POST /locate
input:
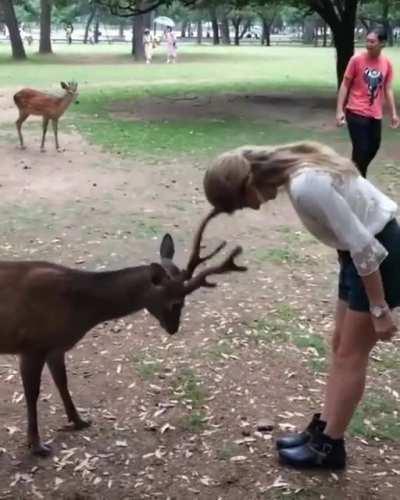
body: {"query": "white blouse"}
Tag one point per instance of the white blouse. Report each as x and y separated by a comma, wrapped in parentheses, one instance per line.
(343, 213)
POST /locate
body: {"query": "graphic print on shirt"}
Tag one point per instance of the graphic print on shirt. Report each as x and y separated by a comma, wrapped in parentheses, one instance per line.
(374, 79)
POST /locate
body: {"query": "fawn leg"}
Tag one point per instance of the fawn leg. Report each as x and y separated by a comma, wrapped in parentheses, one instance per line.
(44, 126)
(22, 117)
(56, 364)
(54, 122)
(31, 366)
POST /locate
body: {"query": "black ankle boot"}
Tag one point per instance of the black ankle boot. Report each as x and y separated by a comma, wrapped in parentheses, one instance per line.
(320, 451)
(302, 437)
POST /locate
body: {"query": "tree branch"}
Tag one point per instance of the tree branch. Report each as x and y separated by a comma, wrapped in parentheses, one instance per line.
(129, 8)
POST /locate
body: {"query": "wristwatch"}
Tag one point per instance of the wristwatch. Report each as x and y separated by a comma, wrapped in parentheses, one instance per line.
(378, 311)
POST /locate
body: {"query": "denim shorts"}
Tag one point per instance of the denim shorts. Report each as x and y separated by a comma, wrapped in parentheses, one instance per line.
(351, 287)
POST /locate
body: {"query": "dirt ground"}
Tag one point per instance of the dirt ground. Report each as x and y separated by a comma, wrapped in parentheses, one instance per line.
(176, 417)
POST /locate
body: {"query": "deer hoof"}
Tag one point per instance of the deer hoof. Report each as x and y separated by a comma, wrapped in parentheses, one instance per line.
(76, 426)
(82, 424)
(41, 450)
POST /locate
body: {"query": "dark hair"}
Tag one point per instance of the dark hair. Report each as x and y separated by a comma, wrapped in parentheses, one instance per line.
(380, 32)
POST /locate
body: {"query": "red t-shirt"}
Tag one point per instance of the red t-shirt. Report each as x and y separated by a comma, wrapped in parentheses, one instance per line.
(368, 77)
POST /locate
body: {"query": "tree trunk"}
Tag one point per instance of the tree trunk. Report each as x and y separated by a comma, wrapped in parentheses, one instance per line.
(315, 36)
(17, 47)
(121, 30)
(245, 29)
(199, 32)
(225, 35)
(89, 22)
(96, 34)
(266, 33)
(236, 28)
(45, 26)
(386, 21)
(183, 29)
(140, 22)
(308, 30)
(325, 35)
(389, 29)
(214, 24)
(344, 43)
(342, 32)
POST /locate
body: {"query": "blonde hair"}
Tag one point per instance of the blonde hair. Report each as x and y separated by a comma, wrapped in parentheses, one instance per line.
(225, 180)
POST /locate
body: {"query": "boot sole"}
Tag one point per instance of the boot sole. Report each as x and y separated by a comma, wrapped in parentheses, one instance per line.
(303, 466)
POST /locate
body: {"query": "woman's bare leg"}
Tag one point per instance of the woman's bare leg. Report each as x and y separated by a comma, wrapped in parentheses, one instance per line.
(348, 371)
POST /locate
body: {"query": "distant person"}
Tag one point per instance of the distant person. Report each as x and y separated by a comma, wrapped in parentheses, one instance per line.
(171, 45)
(149, 44)
(366, 83)
(68, 33)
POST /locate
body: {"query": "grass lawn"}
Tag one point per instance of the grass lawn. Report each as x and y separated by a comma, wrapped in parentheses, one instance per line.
(256, 346)
(107, 74)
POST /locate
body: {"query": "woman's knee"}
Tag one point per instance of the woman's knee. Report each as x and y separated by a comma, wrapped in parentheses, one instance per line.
(345, 359)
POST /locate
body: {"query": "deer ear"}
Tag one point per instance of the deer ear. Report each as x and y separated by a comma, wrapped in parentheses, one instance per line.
(167, 247)
(157, 274)
(64, 85)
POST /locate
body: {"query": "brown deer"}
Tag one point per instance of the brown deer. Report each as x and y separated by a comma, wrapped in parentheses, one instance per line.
(33, 102)
(45, 309)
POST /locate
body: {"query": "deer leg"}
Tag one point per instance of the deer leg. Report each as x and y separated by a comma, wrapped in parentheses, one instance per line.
(54, 122)
(44, 126)
(56, 364)
(22, 117)
(31, 366)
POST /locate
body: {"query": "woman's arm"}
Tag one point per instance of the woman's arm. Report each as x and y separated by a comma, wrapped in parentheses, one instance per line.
(384, 326)
(341, 99)
(316, 196)
(389, 94)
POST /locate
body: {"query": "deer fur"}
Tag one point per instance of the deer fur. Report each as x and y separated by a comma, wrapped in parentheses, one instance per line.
(33, 102)
(45, 309)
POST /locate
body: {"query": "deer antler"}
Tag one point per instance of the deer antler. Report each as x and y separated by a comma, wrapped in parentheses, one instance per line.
(195, 260)
(225, 266)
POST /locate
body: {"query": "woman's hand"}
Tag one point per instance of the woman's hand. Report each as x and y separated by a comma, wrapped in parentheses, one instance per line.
(340, 119)
(384, 327)
(395, 121)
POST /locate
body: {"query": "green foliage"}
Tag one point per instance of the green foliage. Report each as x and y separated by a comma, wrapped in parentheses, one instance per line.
(195, 421)
(377, 417)
(190, 389)
(278, 255)
(310, 341)
(228, 450)
(146, 367)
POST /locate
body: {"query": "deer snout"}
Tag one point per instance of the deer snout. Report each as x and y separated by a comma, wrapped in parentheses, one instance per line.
(172, 329)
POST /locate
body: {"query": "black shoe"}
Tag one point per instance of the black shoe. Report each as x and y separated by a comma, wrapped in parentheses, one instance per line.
(320, 452)
(301, 438)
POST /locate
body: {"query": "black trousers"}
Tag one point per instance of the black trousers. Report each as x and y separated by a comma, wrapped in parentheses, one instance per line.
(365, 134)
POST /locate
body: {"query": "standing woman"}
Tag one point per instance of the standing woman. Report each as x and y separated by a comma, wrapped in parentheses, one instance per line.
(344, 211)
(148, 43)
(367, 82)
(170, 38)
